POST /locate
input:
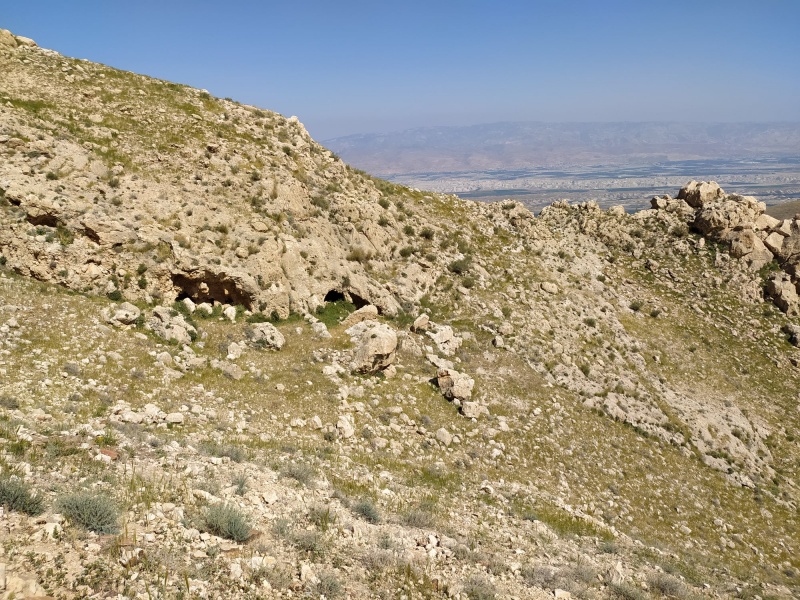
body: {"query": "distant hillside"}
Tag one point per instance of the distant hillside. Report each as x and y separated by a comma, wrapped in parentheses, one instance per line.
(525, 144)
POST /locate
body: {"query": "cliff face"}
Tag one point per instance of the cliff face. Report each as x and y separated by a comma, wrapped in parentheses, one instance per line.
(583, 402)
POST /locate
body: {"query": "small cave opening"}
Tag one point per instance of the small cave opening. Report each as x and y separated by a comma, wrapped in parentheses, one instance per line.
(338, 296)
(334, 296)
(358, 301)
(210, 287)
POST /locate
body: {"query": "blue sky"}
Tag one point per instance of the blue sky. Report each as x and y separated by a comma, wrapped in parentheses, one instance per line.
(357, 66)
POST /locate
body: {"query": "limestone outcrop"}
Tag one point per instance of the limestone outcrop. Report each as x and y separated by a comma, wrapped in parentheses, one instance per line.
(376, 346)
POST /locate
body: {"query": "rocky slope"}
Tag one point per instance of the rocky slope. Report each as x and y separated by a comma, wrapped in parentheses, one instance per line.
(586, 403)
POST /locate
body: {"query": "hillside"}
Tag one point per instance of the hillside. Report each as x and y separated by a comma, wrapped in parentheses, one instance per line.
(234, 367)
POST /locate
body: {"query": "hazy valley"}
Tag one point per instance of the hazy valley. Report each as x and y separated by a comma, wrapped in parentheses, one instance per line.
(612, 163)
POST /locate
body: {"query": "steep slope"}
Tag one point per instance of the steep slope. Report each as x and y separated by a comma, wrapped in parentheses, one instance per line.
(587, 402)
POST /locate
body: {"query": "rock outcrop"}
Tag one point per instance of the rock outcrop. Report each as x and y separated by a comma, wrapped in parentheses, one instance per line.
(264, 335)
(376, 346)
(170, 325)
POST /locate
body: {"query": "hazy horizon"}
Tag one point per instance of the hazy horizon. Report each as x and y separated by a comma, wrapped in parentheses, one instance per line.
(362, 67)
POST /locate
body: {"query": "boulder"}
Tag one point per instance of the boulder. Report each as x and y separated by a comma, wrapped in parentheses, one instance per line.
(230, 313)
(732, 211)
(421, 323)
(672, 205)
(7, 39)
(264, 335)
(169, 324)
(473, 410)
(444, 436)
(774, 242)
(25, 41)
(445, 339)
(122, 314)
(455, 385)
(365, 313)
(783, 293)
(766, 223)
(345, 426)
(699, 193)
(745, 244)
(376, 346)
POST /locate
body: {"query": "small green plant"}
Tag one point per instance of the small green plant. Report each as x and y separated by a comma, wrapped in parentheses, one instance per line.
(406, 251)
(328, 585)
(52, 176)
(358, 254)
(636, 305)
(427, 233)
(320, 202)
(16, 495)
(667, 585)
(235, 453)
(322, 516)
(367, 510)
(96, 513)
(461, 265)
(479, 588)
(590, 321)
(300, 472)
(240, 481)
(383, 203)
(114, 295)
(227, 521)
(313, 542)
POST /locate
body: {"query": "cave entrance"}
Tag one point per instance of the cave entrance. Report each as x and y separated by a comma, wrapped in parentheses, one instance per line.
(354, 299)
(334, 296)
(358, 301)
(211, 287)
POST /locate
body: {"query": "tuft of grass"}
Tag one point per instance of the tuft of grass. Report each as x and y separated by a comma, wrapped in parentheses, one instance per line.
(322, 516)
(367, 510)
(313, 542)
(300, 472)
(479, 588)
(228, 522)
(93, 512)
(624, 591)
(666, 585)
(16, 495)
(235, 453)
(328, 585)
(460, 266)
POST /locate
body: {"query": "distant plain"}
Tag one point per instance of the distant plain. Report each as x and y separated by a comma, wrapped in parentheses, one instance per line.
(612, 163)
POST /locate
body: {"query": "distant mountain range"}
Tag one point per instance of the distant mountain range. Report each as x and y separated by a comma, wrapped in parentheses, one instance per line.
(515, 145)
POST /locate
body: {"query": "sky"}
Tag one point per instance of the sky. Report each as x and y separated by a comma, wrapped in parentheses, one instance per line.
(362, 66)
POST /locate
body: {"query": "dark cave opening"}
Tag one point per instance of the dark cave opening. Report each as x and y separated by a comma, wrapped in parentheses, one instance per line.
(355, 299)
(334, 296)
(211, 287)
